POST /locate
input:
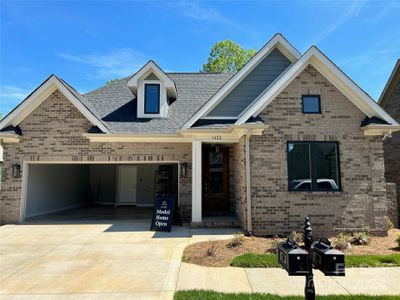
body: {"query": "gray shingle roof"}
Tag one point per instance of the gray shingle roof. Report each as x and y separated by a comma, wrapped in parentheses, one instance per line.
(222, 124)
(115, 104)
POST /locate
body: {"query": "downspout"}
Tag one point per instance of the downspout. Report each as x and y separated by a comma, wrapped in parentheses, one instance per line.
(248, 186)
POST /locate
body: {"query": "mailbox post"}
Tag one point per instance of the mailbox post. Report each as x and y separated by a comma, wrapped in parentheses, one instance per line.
(309, 289)
(301, 261)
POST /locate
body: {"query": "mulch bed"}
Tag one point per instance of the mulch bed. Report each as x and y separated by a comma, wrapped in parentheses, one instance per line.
(220, 253)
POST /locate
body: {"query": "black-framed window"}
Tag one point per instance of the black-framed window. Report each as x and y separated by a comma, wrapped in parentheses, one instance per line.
(313, 166)
(151, 98)
(311, 104)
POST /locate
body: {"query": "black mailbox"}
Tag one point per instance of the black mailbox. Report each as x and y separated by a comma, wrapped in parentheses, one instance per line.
(295, 260)
(327, 259)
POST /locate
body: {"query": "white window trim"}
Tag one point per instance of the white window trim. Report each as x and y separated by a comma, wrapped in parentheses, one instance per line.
(163, 101)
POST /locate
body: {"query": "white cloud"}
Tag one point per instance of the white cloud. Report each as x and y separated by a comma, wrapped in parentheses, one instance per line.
(352, 12)
(197, 11)
(380, 12)
(117, 63)
(10, 94)
(377, 61)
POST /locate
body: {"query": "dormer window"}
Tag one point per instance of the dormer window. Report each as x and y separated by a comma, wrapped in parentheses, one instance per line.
(151, 98)
(153, 90)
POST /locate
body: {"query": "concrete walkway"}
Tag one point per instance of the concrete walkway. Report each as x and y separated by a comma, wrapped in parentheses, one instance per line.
(369, 281)
(88, 260)
(100, 256)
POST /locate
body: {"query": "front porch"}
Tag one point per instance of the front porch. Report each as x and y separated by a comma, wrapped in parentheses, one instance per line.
(219, 184)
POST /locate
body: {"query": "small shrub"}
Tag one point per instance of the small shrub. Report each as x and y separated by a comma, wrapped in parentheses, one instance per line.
(236, 241)
(342, 241)
(212, 248)
(298, 237)
(390, 224)
(361, 238)
(275, 244)
(397, 240)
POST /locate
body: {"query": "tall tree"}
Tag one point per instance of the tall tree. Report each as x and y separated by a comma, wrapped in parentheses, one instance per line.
(227, 57)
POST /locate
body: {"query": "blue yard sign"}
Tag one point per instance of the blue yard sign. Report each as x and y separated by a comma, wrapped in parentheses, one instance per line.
(163, 214)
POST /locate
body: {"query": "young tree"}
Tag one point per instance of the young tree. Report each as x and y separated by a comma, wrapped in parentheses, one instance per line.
(111, 81)
(227, 57)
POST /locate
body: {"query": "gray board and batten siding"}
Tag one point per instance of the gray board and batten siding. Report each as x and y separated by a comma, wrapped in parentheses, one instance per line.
(252, 85)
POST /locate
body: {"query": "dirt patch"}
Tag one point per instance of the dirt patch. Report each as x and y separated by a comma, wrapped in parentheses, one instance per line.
(221, 253)
(378, 245)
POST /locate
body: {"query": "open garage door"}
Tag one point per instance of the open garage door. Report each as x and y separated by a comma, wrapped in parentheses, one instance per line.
(92, 190)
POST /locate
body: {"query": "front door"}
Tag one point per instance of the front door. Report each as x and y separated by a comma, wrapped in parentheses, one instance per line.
(215, 180)
(127, 186)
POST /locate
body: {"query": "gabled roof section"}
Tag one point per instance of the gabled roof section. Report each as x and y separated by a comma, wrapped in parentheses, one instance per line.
(41, 93)
(332, 73)
(277, 41)
(152, 68)
(390, 85)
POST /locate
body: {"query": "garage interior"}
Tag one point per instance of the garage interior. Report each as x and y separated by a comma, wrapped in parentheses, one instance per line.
(97, 191)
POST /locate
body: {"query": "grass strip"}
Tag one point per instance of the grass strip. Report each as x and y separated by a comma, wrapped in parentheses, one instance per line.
(253, 260)
(210, 295)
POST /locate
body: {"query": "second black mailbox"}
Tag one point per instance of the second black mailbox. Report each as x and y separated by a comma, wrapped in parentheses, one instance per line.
(295, 260)
(327, 259)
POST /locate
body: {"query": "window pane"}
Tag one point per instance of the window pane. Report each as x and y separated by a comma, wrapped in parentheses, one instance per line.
(325, 162)
(311, 104)
(299, 166)
(152, 98)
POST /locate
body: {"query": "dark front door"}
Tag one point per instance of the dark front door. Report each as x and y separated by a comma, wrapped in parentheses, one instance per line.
(215, 180)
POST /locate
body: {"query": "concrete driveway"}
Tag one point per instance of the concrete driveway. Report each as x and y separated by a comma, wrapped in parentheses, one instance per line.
(119, 260)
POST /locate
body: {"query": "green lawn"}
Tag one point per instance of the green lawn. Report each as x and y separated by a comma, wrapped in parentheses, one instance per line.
(208, 295)
(392, 260)
(252, 260)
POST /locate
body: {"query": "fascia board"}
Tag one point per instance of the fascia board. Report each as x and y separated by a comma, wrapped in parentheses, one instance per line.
(41, 94)
(341, 81)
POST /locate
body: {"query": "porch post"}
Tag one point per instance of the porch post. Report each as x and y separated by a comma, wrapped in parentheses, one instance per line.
(196, 180)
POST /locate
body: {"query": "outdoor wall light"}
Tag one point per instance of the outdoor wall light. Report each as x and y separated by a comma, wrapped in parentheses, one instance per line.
(16, 171)
(183, 169)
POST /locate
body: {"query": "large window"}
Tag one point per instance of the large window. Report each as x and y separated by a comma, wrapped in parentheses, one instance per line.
(311, 104)
(313, 166)
(151, 98)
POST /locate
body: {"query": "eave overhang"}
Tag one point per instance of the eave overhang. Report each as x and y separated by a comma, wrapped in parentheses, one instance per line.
(9, 138)
(380, 129)
(231, 134)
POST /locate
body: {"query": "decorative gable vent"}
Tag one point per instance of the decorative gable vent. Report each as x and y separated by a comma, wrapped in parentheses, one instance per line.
(153, 89)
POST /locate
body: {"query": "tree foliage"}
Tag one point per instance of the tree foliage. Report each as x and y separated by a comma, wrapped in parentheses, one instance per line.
(227, 57)
(111, 81)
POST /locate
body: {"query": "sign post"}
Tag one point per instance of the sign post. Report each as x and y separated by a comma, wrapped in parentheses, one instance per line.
(163, 214)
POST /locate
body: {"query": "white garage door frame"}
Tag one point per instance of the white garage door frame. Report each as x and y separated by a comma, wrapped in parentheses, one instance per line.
(26, 164)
